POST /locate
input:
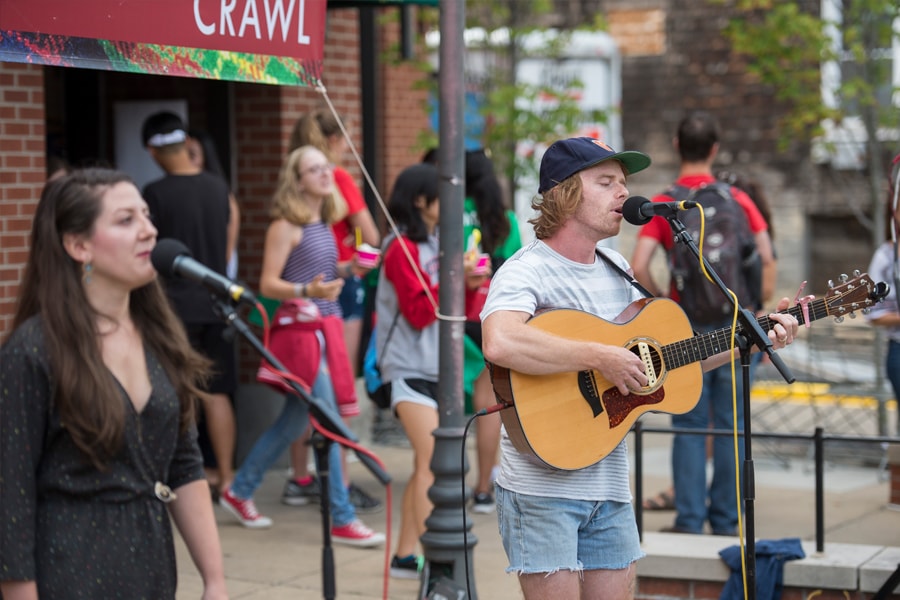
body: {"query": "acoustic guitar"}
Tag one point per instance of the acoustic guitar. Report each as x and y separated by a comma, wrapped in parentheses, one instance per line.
(573, 420)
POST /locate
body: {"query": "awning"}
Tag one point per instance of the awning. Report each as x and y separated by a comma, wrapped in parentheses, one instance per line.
(377, 3)
(275, 41)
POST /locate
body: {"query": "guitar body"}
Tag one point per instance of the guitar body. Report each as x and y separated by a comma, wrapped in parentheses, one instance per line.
(573, 420)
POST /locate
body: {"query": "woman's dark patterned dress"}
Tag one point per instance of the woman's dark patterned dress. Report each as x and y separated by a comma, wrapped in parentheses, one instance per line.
(77, 531)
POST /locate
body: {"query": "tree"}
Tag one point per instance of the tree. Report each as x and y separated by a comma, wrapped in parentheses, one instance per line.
(514, 112)
(846, 49)
(833, 71)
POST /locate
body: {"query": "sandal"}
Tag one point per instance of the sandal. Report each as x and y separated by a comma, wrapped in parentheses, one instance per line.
(664, 500)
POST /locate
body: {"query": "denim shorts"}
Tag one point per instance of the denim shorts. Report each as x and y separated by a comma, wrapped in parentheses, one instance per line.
(546, 535)
(351, 298)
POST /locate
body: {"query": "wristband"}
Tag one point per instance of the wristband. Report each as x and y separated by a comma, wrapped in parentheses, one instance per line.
(299, 290)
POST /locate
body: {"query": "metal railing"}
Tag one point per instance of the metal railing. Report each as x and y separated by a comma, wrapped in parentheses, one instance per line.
(818, 439)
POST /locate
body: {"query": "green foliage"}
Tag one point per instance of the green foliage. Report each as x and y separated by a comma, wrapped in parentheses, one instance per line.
(787, 48)
(515, 112)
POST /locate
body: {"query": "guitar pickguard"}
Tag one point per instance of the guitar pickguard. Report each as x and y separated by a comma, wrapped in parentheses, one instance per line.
(619, 407)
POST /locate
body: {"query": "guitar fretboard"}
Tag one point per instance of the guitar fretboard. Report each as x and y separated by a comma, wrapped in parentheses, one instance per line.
(703, 346)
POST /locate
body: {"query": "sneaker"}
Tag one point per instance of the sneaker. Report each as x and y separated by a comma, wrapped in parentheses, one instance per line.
(407, 567)
(355, 533)
(363, 502)
(298, 494)
(483, 503)
(244, 511)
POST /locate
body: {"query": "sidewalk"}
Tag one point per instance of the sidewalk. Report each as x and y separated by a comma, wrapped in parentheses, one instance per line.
(286, 561)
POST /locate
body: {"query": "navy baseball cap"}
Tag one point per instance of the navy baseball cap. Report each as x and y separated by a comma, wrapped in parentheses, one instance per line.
(566, 157)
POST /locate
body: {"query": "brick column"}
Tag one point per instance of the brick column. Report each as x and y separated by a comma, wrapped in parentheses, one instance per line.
(22, 173)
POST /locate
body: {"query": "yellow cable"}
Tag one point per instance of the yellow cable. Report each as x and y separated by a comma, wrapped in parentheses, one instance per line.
(734, 424)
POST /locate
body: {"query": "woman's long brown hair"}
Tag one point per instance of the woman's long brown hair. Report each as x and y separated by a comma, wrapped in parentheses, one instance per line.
(86, 396)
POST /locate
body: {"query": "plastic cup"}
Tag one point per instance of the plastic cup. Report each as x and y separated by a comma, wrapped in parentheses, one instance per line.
(367, 256)
(483, 264)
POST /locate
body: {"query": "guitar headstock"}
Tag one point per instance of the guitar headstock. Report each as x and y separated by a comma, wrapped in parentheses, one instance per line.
(859, 293)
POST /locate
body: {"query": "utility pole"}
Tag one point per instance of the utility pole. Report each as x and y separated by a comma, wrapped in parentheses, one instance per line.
(448, 546)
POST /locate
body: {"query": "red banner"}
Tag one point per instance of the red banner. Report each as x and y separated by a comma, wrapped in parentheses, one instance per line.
(288, 28)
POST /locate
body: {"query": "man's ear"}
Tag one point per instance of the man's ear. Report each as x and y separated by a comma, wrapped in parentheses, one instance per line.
(77, 247)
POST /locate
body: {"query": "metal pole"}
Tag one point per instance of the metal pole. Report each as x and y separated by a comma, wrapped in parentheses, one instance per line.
(445, 545)
(819, 447)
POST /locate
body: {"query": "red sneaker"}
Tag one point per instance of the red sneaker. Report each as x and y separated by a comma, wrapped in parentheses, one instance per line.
(244, 511)
(355, 533)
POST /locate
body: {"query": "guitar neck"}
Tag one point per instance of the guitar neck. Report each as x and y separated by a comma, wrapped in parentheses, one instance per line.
(703, 346)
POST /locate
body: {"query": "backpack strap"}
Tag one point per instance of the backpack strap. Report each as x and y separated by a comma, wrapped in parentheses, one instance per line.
(680, 192)
(387, 340)
(634, 282)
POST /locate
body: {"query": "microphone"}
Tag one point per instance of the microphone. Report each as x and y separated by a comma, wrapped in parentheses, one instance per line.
(172, 258)
(637, 210)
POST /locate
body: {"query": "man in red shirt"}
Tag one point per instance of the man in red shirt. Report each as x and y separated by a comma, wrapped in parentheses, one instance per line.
(697, 143)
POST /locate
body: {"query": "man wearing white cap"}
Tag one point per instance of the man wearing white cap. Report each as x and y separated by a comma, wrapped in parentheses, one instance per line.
(192, 206)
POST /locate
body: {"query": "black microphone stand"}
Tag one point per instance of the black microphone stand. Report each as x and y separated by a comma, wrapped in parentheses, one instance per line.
(749, 334)
(321, 444)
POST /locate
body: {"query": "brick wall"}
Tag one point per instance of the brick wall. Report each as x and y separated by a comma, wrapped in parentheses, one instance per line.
(402, 106)
(22, 173)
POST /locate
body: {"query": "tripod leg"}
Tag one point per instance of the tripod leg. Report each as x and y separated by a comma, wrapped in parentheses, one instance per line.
(749, 475)
(321, 448)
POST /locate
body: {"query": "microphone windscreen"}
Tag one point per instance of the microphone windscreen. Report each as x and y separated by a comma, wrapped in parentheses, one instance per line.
(164, 254)
(631, 210)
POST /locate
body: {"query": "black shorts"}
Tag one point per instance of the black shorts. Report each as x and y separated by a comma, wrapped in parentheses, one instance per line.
(208, 340)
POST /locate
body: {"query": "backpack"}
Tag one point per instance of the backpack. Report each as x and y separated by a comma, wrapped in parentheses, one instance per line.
(379, 391)
(730, 248)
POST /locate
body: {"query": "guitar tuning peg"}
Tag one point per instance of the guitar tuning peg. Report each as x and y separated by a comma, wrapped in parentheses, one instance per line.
(844, 278)
(839, 319)
(856, 273)
(853, 315)
(831, 284)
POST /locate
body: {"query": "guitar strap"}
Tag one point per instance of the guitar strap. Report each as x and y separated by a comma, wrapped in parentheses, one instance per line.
(624, 274)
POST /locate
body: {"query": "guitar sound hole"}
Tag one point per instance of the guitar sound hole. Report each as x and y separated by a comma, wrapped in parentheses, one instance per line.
(652, 361)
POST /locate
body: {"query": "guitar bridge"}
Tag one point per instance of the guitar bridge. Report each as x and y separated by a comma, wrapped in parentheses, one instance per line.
(587, 385)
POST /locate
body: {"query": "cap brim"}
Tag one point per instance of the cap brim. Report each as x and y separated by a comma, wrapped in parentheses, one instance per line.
(632, 161)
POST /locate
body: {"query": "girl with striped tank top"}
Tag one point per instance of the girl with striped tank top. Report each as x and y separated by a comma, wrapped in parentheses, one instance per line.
(300, 263)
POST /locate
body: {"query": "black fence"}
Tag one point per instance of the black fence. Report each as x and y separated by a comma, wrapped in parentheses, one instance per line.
(818, 439)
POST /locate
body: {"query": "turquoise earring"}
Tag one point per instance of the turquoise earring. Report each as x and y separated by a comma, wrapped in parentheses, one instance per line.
(87, 268)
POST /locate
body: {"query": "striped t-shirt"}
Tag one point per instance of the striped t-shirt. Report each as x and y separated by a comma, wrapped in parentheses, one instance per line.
(536, 278)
